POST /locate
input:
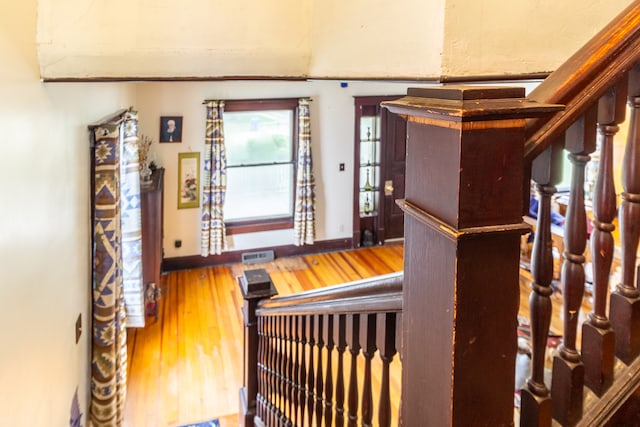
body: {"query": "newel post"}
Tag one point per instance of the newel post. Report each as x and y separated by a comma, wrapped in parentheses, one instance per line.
(463, 222)
(255, 285)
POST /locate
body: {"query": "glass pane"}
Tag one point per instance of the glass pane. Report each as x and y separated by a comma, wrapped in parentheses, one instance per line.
(257, 192)
(256, 137)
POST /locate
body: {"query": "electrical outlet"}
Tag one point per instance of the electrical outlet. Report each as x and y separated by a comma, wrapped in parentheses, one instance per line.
(78, 327)
(177, 244)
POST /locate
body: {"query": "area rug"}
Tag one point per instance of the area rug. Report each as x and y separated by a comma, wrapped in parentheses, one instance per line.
(210, 423)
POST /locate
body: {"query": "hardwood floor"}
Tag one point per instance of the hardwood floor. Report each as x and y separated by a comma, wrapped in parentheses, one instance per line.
(187, 366)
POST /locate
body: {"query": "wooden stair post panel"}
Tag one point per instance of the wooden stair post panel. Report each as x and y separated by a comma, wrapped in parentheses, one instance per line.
(255, 285)
(463, 222)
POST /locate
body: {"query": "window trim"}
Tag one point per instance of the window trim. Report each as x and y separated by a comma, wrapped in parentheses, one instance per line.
(270, 223)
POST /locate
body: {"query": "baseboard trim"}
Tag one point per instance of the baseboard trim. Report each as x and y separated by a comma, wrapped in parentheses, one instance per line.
(197, 261)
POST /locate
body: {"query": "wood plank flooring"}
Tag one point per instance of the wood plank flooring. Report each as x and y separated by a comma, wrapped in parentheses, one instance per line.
(187, 366)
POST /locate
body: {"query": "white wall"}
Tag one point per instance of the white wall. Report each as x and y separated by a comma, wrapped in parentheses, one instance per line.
(510, 37)
(179, 39)
(365, 38)
(44, 228)
(332, 128)
(315, 38)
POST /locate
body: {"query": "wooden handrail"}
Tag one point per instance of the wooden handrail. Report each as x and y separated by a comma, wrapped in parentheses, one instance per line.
(580, 81)
(376, 294)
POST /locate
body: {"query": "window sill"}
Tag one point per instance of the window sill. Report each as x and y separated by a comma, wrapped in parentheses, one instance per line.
(259, 225)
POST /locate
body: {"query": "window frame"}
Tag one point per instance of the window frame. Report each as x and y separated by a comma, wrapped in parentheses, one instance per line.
(273, 223)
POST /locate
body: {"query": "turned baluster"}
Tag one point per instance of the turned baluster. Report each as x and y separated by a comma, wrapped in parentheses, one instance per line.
(295, 375)
(274, 371)
(328, 383)
(302, 379)
(598, 335)
(625, 301)
(353, 333)
(260, 402)
(568, 369)
(318, 333)
(277, 383)
(339, 331)
(536, 408)
(368, 343)
(311, 370)
(386, 343)
(282, 369)
(289, 373)
(268, 369)
(286, 379)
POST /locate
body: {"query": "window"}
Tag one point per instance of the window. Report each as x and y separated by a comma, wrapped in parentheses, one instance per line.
(261, 141)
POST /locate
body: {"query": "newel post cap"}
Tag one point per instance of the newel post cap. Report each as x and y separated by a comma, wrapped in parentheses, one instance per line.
(469, 103)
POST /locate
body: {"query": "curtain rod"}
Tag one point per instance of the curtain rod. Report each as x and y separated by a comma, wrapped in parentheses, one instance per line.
(258, 100)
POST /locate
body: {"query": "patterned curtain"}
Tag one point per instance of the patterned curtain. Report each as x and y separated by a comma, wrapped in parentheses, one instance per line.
(213, 234)
(131, 222)
(116, 262)
(304, 220)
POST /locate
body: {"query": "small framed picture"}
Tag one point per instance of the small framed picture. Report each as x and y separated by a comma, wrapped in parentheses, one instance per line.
(188, 180)
(170, 129)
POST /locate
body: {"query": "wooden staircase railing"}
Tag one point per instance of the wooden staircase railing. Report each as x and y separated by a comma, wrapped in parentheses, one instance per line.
(459, 294)
(591, 379)
(297, 340)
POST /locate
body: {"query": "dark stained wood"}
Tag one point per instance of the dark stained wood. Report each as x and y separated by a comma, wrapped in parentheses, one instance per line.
(161, 395)
(386, 344)
(295, 390)
(464, 177)
(319, 386)
(598, 344)
(568, 379)
(581, 80)
(392, 141)
(394, 149)
(281, 367)
(328, 383)
(625, 301)
(302, 380)
(536, 407)
(371, 287)
(151, 211)
(311, 373)
(353, 342)
(536, 401)
(340, 329)
(368, 344)
(254, 287)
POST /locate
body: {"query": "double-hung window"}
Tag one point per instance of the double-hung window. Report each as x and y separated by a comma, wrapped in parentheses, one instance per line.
(261, 141)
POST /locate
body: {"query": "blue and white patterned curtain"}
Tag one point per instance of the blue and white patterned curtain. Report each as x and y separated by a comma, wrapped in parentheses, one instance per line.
(304, 220)
(117, 267)
(131, 222)
(213, 234)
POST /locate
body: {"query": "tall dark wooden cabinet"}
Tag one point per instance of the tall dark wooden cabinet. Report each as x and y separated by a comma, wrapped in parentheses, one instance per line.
(380, 147)
(151, 205)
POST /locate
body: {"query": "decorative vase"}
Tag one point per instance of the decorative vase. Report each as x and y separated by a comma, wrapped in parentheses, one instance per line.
(145, 174)
(367, 184)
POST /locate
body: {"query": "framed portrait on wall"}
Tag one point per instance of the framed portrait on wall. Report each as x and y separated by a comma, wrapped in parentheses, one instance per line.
(170, 129)
(188, 180)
